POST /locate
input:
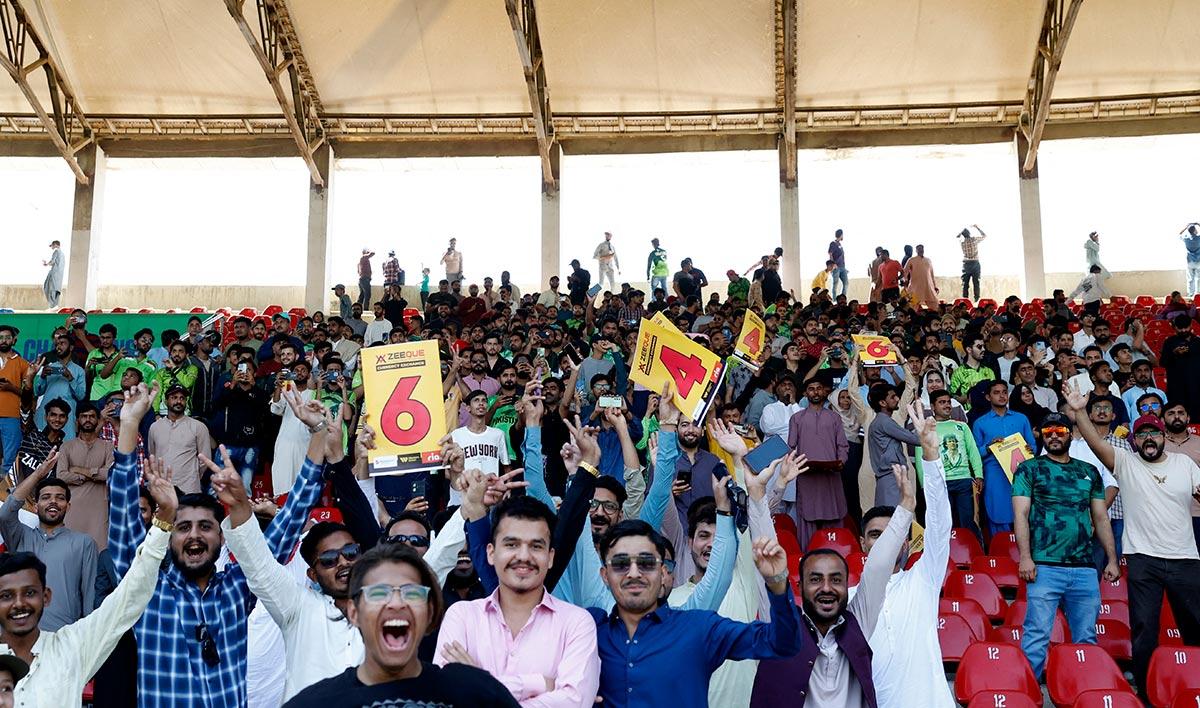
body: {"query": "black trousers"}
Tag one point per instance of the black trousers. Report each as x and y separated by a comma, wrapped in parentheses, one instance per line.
(1148, 578)
(970, 274)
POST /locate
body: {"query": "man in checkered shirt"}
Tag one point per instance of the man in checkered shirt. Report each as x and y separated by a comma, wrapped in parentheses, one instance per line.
(393, 274)
(192, 638)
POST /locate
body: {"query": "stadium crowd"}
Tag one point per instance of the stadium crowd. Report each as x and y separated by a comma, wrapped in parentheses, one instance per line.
(192, 521)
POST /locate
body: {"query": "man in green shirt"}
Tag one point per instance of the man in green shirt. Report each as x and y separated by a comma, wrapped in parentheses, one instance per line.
(1057, 501)
(657, 269)
(101, 359)
(972, 371)
(502, 411)
(143, 340)
(739, 287)
(960, 460)
(175, 371)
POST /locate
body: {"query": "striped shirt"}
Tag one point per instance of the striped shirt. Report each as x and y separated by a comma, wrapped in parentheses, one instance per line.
(171, 669)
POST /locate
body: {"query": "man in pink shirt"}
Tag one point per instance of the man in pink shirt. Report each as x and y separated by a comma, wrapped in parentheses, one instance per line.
(541, 648)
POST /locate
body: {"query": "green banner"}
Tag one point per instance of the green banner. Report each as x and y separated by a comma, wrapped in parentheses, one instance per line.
(36, 330)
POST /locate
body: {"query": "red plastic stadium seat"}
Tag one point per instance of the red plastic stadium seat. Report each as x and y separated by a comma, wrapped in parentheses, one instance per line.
(855, 561)
(1187, 698)
(1059, 633)
(1114, 638)
(1168, 628)
(1118, 300)
(1006, 634)
(1072, 669)
(197, 310)
(1005, 544)
(1000, 568)
(1001, 667)
(784, 525)
(1115, 609)
(1145, 301)
(145, 311)
(1172, 669)
(89, 691)
(272, 310)
(977, 587)
(954, 636)
(65, 310)
(963, 547)
(1002, 699)
(119, 310)
(1107, 699)
(839, 539)
(1117, 590)
(970, 611)
(912, 560)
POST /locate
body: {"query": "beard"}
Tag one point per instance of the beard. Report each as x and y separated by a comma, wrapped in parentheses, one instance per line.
(1152, 454)
(810, 608)
(1175, 426)
(194, 573)
(461, 579)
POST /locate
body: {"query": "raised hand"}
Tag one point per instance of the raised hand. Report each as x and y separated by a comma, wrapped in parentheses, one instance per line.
(157, 476)
(137, 402)
(668, 412)
(721, 494)
(570, 456)
(791, 466)
(1076, 400)
(43, 470)
(925, 428)
(365, 442)
(727, 438)
(616, 418)
(310, 412)
(756, 484)
(771, 561)
(532, 406)
(906, 480)
(227, 482)
(585, 439)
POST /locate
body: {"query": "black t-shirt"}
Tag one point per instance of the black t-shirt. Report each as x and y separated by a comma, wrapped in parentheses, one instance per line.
(440, 298)
(452, 686)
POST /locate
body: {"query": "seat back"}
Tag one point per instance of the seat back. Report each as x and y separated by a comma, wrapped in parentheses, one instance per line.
(977, 587)
(854, 563)
(1005, 544)
(989, 666)
(971, 613)
(1107, 699)
(1072, 669)
(838, 539)
(954, 636)
(1001, 569)
(1002, 699)
(1172, 669)
(1015, 615)
(1006, 634)
(1115, 590)
(963, 547)
(1114, 637)
(1187, 698)
(1115, 609)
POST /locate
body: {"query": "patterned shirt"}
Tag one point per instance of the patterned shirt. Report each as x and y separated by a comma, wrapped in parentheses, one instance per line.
(1060, 518)
(171, 669)
(391, 271)
(1119, 442)
(970, 247)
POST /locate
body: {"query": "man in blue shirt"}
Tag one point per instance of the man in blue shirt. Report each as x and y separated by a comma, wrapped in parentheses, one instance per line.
(653, 655)
(1191, 241)
(992, 427)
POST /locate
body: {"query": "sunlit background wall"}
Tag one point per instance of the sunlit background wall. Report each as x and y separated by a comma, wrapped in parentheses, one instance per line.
(35, 208)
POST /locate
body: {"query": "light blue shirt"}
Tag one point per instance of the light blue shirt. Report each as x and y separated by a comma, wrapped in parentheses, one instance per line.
(56, 385)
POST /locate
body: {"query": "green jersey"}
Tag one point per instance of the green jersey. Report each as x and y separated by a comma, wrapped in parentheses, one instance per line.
(504, 418)
(960, 456)
(658, 263)
(96, 361)
(1060, 516)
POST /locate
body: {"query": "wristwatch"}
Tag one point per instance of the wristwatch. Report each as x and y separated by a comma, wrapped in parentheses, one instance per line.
(319, 427)
(779, 578)
(589, 468)
(721, 512)
(162, 524)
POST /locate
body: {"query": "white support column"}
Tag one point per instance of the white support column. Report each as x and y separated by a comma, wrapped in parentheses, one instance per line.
(789, 238)
(1033, 274)
(316, 282)
(88, 207)
(551, 223)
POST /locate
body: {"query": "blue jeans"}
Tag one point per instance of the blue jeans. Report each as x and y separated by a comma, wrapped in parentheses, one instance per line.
(10, 441)
(1078, 592)
(245, 461)
(839, 275)
(658, 281)
(962, 505)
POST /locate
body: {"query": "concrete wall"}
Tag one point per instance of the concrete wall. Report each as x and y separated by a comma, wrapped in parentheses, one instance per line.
(185, 297)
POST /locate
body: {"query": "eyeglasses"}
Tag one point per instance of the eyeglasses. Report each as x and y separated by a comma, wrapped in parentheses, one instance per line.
(1059, 430)
(329, 558)
(609, 506)
(1150, 407)
(411, 539)
(646, 563)
(410, 593)
(208, 647)
(669, 565)
(1143, 434)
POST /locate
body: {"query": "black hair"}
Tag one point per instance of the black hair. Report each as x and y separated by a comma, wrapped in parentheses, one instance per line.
(878, 512)
(144, 330)
(1093, 401)
(825, 552)
(144, 493)
(612, 485)
(1097, 366)
(1174, 403)
(404, 555)
(16, 561)
(60, 404)
(1182, 321)
(1144, 396)
(108, 328)
(203, 501)
(319, 532)
(51, 482)
(701, 511)
(408, 516)
(85, 407)
(524, 507)
(992, 384)
(628, 529)
(878, 393)
(473, 395)
(938, 394)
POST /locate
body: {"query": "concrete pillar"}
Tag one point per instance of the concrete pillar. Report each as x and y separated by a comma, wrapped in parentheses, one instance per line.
(551, 223)
(1033, 274)
(82, 280)
(316, 281)
(789, 238)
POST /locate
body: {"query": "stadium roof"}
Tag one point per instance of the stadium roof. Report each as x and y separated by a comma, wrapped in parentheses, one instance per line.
(689, 74)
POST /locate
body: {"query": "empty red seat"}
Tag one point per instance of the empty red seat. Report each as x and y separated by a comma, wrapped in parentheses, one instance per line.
(998, 667)
(1115, 609)
(954, 636)
(977, 587)
(784, 525)
(119, 310)
(1114, 637)
(249, 312)
(197, 310)
(970, 611)
(838, 539)
(1072, 669)
(1107, 699)
(1006, 634)
(1005, 544)
(273, 310)
(963, 547)
(1187, 698)
(1172, 670)
(1059, 632)
(855, 562)
(999, 568)
(1116, 590)
(1145, 301)
(1002, 699)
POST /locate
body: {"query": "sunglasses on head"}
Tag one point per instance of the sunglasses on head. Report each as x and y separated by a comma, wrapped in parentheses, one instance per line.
(329, 559)
(622, 562)
(412, 539)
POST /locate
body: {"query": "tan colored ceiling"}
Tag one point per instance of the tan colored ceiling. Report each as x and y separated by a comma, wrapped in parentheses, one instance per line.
(458, 56)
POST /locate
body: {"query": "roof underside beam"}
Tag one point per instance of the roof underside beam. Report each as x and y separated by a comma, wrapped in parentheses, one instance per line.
(785, 86)
(64, 123)
(1052, 43)
(523, 18)
(277, 49)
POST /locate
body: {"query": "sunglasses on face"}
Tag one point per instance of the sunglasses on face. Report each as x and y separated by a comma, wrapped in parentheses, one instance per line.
(622, 562)
(410, 593)
(609, 506)
(412, 539)
(1150, 407)
(1058, 430)
(329, 559)
(669, 565)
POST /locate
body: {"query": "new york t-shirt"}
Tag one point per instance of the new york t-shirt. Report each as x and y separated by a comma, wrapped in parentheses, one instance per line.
(484, 451)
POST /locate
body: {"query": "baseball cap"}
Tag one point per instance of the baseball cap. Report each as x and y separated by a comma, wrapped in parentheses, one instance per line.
(280, 316)
(1152, 421)
(1057, 419)
(391, 253)
(339, 285)
(175, 387)
(14, 665)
